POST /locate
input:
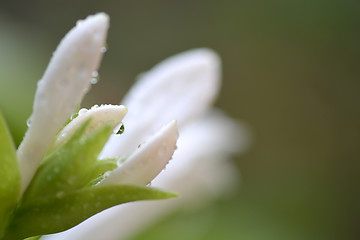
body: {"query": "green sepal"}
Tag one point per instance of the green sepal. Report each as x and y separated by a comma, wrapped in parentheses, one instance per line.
(9, 173)
(71, 166)
(100, 168)
(61, 212)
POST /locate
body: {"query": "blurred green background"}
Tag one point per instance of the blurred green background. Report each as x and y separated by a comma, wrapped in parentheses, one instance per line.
(290, 71)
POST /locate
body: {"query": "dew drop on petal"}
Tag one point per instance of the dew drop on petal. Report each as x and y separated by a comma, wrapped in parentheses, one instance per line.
(120, 161)
(94, 77)
(82, 111)
(94, 81)
(107, 174)
(103, 49)
(95, 74)
(28, 122)
(74, 115)
(120, 129)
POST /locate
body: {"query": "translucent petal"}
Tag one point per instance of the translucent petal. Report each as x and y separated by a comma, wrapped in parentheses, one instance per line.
(61, 89)
(181, 87)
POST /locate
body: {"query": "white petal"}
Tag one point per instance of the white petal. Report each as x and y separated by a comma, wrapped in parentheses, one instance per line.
(105, 114)
(148, 161)
(61, 89)
(181, 87)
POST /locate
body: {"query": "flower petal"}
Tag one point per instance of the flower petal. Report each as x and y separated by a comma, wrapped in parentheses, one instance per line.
(61, 89)
(181, 87)
(148, 161)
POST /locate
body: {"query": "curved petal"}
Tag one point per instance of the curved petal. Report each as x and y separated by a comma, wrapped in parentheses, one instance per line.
(61, 89)
(181, 87)
(148, 161)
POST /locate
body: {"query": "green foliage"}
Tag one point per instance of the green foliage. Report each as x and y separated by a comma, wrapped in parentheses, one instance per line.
(71, 166)
(63, 211)
(9, 172)
(63, 192)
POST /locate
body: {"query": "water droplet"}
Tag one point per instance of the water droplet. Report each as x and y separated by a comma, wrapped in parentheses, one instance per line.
(120, 161)
(95, 77)
(74, 115)
(107, 174)
(103, 49)
(120, 129)
(28, 122)
(94, 81)
(95, 74)
(82, 111)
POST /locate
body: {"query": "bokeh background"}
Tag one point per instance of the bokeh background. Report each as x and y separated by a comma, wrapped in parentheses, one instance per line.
(290, 72)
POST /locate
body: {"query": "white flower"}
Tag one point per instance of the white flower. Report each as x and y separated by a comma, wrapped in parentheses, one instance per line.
(182, 87)
(65, 82)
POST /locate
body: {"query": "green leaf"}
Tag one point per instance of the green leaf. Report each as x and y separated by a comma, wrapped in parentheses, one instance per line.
(71, 166)
(9, 172)
(55, 214)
